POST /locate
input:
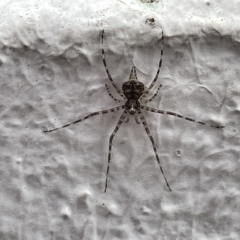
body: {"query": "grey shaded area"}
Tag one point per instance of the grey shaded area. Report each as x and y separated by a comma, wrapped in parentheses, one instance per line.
(51, 73)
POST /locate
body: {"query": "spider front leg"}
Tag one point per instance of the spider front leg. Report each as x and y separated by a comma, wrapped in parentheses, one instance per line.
(142, 118)
(150, 109)
(88, 116)
(106, 68)
(109, 93)
(110, 143)
(155, 94)
(158, 71)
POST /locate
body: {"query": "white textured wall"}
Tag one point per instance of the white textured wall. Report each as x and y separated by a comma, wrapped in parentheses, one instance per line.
(51, 73)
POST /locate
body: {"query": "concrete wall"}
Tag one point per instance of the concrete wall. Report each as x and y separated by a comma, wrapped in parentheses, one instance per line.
(51, 73)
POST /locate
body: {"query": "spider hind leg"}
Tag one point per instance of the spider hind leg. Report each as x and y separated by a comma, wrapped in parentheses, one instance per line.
(110, 144)
(143, 120)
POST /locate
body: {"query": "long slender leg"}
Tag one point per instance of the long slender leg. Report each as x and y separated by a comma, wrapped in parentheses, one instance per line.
(110, 143)
(109, 76)
(142, 118)
(158, 71)
(150, 99)
(86, 117)
(150, 109)
(115, 99)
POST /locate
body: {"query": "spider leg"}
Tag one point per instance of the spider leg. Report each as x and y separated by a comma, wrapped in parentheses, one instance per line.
(88, 116)
(150, 109)
(128, 118)
(156, 77)
(143, 120)
(150, 99)
(115, 99)
(136, 119)
(109, 76)
(110, 143)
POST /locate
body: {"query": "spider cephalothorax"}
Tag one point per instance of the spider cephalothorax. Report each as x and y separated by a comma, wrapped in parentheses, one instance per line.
(133, 93)
(133, 89)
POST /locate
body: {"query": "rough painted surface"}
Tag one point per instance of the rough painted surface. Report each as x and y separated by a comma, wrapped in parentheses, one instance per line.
(51, 73)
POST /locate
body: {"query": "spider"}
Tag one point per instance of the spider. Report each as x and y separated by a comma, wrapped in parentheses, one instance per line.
(133, 93)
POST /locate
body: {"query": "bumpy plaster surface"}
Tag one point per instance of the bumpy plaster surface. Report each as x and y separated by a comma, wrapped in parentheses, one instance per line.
(51, 73)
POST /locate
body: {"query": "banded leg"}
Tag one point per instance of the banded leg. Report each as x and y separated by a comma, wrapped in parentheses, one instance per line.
(128, 117)
(149, 109)
(150, 99)
(110, 143)
(158, 71)
(88, 116)
(115, 99)
(136, 119)
(109, 76)
(142, 118)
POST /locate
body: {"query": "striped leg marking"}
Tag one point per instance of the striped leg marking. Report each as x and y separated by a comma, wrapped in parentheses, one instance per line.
(136, 119)
(158, 71)
(109, 76)
(88, 116)
(115, 99)
(128, 117)
(153, 144)
(150, 99)
(149, 109)
(110, 143)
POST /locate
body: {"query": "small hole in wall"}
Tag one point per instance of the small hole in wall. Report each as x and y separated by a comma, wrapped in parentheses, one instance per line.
(178, 153)
(208, 3)
(150, 20)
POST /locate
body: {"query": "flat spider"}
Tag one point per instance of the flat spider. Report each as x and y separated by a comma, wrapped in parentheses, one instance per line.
(134, 93)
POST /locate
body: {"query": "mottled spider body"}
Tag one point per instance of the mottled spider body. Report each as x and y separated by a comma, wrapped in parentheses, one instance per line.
(133, 93)
(132, 90)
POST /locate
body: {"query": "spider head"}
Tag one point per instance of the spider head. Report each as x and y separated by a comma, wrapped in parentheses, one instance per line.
(133, 89)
